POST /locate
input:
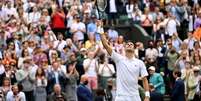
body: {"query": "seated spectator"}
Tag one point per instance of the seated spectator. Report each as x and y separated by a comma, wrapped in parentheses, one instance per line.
(57, 94)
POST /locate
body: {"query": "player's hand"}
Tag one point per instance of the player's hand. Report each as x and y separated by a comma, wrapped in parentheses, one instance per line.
(146, 99)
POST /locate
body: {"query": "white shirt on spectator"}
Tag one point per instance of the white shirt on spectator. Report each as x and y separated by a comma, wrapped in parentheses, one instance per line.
(171, 26)
(151, 53)
(128, 73)
(34, 17)
(10, 96)
(112, 34)
(59, 45)
(91, 72)
(106, 70)
(2, 70)
(3, 14)
(129, 10)
(113, 8)
(9, 12)
(78, 26)
(190, 43)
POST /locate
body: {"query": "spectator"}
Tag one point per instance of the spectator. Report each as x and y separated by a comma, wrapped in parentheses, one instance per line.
(24, 56)
(154, 95)
(91, 69)
(40, 84)
(60, 43)
(72, 77)
(112, 34)
(58, 19)
(178, 89)
(9, 73)
(156, 80)
(197, 84)
(151, 54)
(55, 76)
(26, 77)
(6, 87)
(105, 71)
(83, 91)
(15, 94)
(78, 29)
(57, 95)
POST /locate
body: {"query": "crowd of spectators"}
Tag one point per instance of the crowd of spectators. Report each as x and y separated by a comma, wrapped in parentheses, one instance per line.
(51, 49)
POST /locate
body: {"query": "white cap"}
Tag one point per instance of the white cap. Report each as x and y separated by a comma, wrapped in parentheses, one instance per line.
(152, 68)
(196, 68)
(83, 49)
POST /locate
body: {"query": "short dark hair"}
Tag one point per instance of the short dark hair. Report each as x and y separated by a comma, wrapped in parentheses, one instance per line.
(178, 73)
(129, 41)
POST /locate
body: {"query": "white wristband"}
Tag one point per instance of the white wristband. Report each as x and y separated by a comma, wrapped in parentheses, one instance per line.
(147, 94)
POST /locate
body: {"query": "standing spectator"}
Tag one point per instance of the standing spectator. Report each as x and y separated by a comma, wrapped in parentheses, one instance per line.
(190, 40)
(71, 86)
(16, 95)
(112, 9)
(197, 76)
(151, 54)
(178, 89)
(91, 28)
(83, 91)
(91, 68)
(58, 21)
(34, 16)
(171, 24)
(180, 63)
(57, 95)
(78, 29)
(147, 21)
(24, 56)
(176, 41)
(60, 43)
(55, 76)
(156, 80)
(112, 34)
(186, 73)
(40, 84)
(105, 71)
(119, 45)
(26, 77)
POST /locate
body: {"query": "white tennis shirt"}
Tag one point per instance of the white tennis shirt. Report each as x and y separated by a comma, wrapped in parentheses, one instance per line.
(128, 72)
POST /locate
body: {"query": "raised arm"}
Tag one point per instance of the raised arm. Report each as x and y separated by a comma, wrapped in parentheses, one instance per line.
(103, 38)
(105, 44)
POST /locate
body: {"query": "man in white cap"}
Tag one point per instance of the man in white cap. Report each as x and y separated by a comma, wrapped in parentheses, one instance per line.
(129, 69)
(157, 80)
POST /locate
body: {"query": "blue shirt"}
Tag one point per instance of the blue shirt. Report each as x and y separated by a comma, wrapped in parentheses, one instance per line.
(157, 80)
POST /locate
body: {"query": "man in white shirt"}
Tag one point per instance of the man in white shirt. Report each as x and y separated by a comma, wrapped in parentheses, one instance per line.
(129, 69)
(60, 43)
(91, 68)
(15, 95)
(78, 29)
(190, 41)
